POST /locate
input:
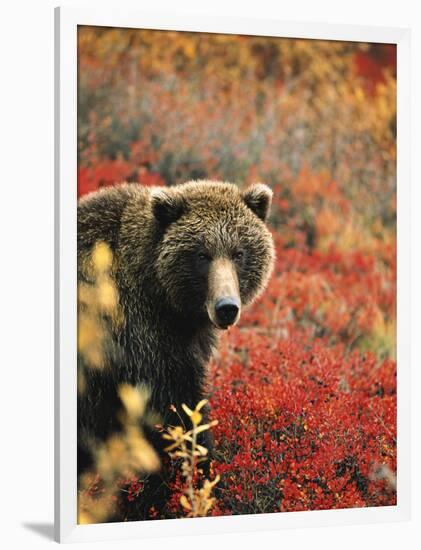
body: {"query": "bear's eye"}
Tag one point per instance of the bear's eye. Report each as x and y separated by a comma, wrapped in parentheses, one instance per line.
(238, 256)
(203, 257)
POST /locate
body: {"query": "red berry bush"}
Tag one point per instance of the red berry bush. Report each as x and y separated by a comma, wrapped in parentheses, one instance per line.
(302, 426)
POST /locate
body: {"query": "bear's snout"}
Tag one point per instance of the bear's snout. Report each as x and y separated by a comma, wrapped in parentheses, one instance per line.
(223, 303)
(227, 310)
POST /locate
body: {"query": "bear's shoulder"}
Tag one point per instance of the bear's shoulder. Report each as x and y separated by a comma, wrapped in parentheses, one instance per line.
(110, 199)
(100, 213)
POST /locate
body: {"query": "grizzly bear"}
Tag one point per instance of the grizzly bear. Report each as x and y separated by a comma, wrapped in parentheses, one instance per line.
(186, 260)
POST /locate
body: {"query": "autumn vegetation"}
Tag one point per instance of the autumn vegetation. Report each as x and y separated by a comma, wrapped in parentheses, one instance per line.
(303, 390)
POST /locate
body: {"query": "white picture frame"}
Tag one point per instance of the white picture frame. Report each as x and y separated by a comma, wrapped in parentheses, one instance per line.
(66, 23)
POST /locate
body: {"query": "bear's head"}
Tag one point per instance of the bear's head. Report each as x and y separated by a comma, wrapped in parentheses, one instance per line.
(215, 253)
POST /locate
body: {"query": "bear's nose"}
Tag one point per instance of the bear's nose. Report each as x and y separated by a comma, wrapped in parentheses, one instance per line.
(226, 310)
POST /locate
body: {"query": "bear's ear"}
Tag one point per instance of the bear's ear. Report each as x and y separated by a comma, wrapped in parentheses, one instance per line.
(258, 197)
(166, 207)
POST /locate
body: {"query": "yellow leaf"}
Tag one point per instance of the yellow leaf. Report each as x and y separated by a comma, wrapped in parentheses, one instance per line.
(185, 503)
(202, 450)
(196, 417)
(102, 257)
(201, 404)
(134, 399)
(186, 409)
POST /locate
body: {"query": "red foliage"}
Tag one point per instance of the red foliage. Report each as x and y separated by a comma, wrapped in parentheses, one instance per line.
(110, 172)
(371, 65)
(301, 426)
(336, 295)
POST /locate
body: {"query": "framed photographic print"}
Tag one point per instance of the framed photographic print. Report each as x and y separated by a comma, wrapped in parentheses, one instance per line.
(232, 255)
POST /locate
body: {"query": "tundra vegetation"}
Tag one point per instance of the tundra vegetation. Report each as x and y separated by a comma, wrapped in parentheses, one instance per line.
(303, 389)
